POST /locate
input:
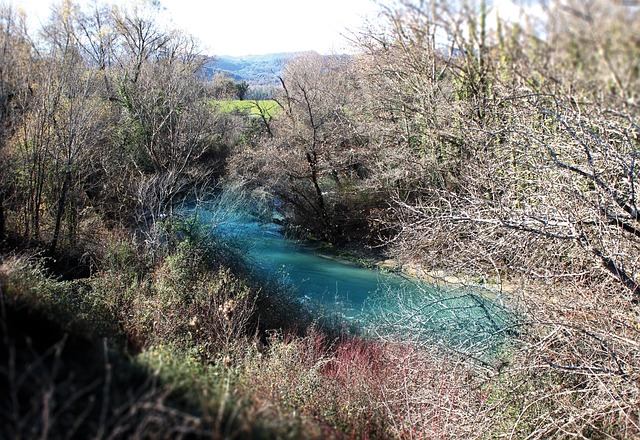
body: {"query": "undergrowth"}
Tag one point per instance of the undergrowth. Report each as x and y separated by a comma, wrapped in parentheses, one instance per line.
(175, 341)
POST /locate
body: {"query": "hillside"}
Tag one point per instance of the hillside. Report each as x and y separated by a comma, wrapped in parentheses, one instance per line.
(261, 70)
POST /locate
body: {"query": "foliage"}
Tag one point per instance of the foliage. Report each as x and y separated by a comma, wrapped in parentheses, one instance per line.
(242, 88)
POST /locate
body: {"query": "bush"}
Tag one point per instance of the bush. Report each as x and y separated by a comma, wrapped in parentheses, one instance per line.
(365, 388)
(574, 372)
(60, 385)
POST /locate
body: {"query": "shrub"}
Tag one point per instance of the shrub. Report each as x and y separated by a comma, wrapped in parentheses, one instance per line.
(574, 372)
(74, 305)
(365, 388)
(60, 385)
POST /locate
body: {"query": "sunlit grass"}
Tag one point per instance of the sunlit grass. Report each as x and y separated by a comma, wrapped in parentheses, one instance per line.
(266, 108)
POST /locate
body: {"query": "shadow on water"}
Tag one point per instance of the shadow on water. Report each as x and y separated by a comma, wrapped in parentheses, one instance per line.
(384, 303)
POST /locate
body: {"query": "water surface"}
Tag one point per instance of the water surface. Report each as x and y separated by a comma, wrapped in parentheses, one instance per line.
(464, 316)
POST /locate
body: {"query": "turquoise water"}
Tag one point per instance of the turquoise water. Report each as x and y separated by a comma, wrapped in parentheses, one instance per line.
(462, 316)
(316, 277)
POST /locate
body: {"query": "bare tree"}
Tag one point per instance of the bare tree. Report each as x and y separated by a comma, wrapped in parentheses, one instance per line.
(64, 118)
(140, 36)
(511, 161)
(518, 162)
(315, 149)
(169, 125)
(14, 57)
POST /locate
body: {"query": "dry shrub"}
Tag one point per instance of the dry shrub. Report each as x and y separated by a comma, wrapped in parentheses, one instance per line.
(366, 388)
(213, 313)
(569, 371)
(576, 373)
(431, 394)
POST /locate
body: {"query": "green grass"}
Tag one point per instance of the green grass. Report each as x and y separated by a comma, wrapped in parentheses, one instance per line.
(268, 108)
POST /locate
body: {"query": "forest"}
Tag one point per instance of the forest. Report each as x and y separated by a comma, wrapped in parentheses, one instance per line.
(455, 143)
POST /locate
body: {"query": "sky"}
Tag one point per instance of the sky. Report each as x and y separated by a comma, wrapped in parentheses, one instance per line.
(256, 27)
(253, 27)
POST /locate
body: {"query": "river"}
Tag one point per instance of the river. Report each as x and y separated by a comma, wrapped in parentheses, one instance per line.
(465, 316)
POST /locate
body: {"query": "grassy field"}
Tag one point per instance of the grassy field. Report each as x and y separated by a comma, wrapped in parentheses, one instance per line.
(268, 108)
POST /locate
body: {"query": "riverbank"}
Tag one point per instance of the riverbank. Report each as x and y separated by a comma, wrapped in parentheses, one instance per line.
(443, 278)
(366, 257)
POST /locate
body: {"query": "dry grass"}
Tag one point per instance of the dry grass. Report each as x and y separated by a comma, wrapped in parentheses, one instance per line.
(570, 371)
(365, 388)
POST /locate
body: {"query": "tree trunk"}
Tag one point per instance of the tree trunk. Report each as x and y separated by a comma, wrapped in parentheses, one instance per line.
(61, 203)
(3, 234)
(324, 218)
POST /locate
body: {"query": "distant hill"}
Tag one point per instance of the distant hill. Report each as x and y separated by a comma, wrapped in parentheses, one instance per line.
(257, 70)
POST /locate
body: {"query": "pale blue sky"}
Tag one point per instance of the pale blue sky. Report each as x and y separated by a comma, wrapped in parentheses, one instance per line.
(244, 27)
(254, 27)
